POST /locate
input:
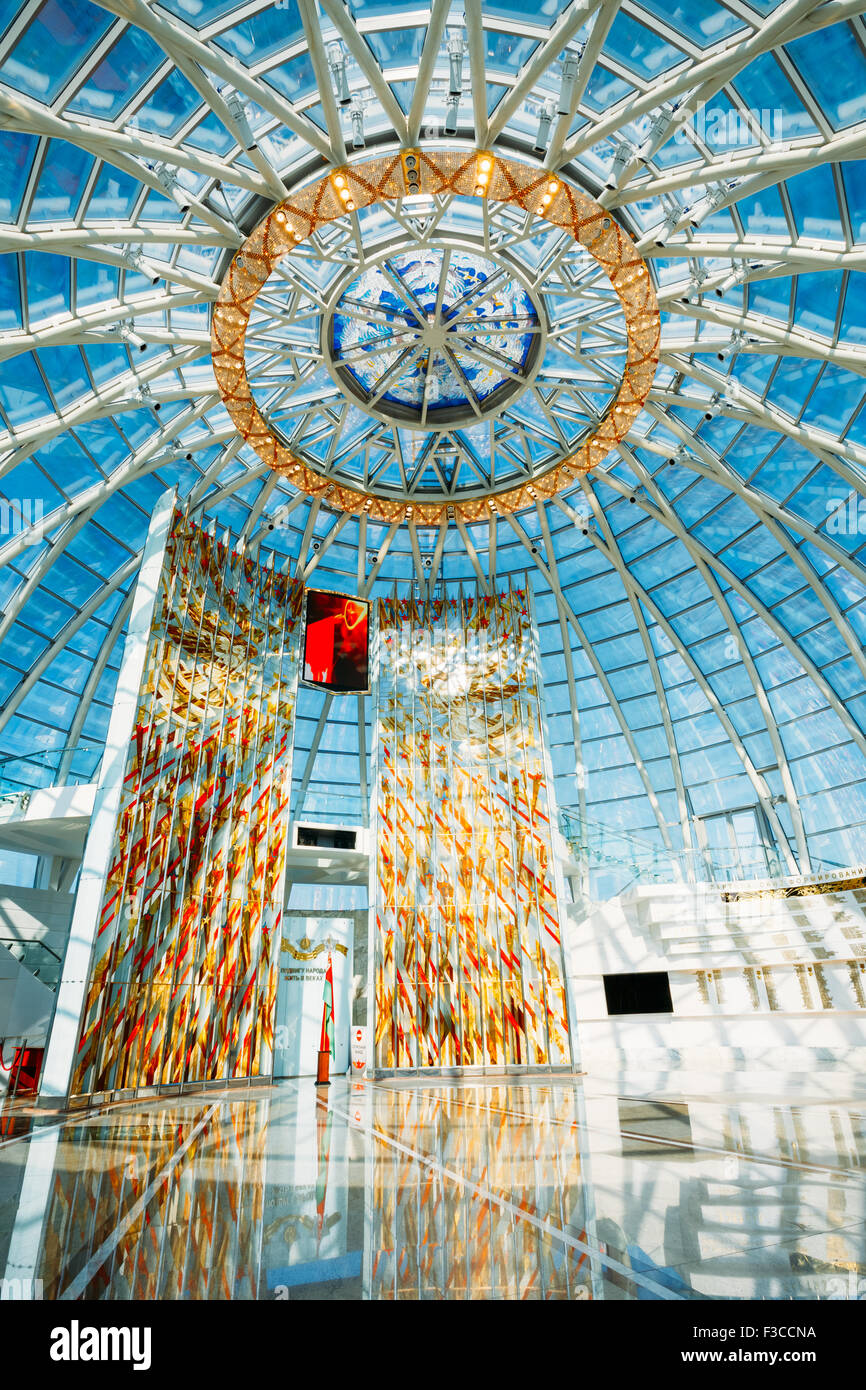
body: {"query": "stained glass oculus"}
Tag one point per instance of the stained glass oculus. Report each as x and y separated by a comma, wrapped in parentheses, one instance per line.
(434, 335)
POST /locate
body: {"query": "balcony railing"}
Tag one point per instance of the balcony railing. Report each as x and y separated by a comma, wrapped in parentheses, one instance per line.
(612, 861)
(41, 767)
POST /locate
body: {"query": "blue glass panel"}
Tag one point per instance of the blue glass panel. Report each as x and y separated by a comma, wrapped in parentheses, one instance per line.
(158, 207)
(604, 88)
(211, 135)
(106, 361)
(543, 12)
(68, 670)
(263, 34)
(28, 482)
(854, 179)
(771, 297)
(294, 79)
(67, 465)
(124, 69)
(169, 107)
(47, 703)
(10, 294)
(834, 69)
(763, 213)
(852, 325)
(702, 21)
(815, 204)
(506, 52)
(64, 371)
(199, 12)
(65, 171)
(121, 518)
(20, 648)
(16, 160)
(113, 196)
(22, 390)
(397, 47)
(752, 370)
(95, 549)
(635, 46)
(817, 302)
(70, 580)
(835, 398)
(792, 383)
(95, 283)
(765, 88)
(47, 614)
(47, 285)
(66, 30)
(723, 127)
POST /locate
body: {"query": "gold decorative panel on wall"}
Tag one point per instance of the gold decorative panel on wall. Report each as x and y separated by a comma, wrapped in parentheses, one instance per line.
(183, 975)
(467, 957)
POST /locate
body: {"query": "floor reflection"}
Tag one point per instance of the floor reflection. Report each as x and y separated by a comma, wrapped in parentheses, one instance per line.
(550, 1189)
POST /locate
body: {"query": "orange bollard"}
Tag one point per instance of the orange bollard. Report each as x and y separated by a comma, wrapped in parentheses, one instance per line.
(322, 1078)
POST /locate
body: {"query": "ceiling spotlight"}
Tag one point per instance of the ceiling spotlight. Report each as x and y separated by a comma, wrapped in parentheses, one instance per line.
(706, 205)
(545, 120)
(168, 182)
(238, 113)
(625, 153)
(135, 261)
(569, 67)
(738, 275)
(712, 409)
(337, 64)
(131, 337)
(737, 340)
(356, 112)
(455, 62)
(452, 101)
(657, 133)
(695, 287)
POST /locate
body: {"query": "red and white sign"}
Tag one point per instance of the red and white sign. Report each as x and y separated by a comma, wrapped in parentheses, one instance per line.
(359, 1050)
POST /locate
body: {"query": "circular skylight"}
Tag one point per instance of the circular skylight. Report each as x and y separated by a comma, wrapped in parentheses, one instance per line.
(434, 337)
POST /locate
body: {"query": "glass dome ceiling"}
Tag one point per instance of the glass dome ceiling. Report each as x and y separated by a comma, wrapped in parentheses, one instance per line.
(699, 595)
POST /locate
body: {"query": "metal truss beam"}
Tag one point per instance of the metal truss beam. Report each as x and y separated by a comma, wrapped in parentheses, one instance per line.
(605, 14)
(176, 41)
(429, 53)
(701, 80)
(339, 16)
(780, 163)
(105, 401)
(601, 674)
(570, 21)
(745, 656)
(708, 463)
(80, 327)
(615, 555)
(783, 260)
(786, 341)
(663, 513)
(91, 685)
(760, 786)
(475, 35)
(836, 453)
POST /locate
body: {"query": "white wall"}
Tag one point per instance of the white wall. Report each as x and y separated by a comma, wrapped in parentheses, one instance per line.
(781, 980)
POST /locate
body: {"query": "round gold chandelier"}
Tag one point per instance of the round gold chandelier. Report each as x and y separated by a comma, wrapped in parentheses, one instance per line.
(408, 173)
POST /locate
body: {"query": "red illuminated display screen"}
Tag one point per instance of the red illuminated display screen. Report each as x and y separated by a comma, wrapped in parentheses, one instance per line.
(335, 646)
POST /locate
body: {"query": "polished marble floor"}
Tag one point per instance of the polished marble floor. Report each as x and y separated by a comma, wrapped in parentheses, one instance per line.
(675, 1186)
